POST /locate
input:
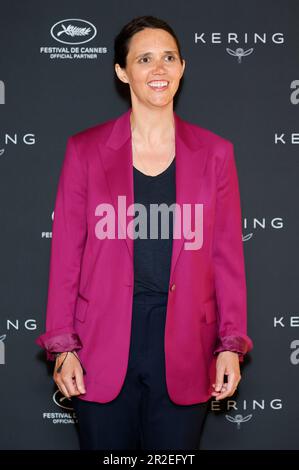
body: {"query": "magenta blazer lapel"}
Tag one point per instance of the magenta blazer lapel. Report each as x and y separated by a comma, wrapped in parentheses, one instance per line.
(116, 155)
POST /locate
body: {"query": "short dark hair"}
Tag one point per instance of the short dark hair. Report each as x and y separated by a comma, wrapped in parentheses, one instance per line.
(122, 40)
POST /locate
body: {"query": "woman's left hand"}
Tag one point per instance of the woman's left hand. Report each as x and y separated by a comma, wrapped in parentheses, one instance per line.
(227, 364)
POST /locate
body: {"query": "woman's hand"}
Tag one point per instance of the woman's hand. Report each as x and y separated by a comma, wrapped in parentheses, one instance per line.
(70, 379)
(227, 363)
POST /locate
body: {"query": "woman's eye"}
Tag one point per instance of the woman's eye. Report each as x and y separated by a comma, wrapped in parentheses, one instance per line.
(146, 58)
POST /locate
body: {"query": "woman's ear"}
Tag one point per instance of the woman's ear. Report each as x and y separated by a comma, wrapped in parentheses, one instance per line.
(121, 73)
(183, 69)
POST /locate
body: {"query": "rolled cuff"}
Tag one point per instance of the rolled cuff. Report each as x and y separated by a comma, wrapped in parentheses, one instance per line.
(60, 342)
(238, 344)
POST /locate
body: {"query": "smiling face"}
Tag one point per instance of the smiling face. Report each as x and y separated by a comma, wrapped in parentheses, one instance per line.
(153, 69)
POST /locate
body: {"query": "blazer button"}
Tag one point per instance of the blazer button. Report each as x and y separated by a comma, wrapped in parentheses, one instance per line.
(172, 288)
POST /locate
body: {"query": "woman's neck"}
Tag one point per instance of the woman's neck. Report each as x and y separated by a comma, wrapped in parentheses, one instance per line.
(152, 127)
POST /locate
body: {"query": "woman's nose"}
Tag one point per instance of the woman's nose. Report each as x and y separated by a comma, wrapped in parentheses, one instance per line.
(159, 66)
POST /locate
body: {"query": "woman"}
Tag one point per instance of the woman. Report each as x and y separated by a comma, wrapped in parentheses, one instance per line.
(155, 323)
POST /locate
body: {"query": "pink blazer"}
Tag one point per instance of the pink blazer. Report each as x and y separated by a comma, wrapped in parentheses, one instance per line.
(91, 280)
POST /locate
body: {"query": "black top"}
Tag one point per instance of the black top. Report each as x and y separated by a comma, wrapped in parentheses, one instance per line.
(152, 256)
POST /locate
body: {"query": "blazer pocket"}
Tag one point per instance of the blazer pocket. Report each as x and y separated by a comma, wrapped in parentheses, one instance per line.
(81, 308)
(210, 308)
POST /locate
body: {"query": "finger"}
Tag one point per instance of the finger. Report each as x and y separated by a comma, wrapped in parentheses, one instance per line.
(62, 389)
(67, 381)
(217, 394)
(219, 378)
(224, 386)
(214, 393)
(58, 384)
(228, 392)
(231, 382)
(79, 380)
(221, 396)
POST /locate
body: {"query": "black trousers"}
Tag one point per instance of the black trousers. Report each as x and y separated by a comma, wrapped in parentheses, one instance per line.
(142, 416)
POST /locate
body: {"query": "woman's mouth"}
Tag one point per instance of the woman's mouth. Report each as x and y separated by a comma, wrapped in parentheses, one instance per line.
(158, 85)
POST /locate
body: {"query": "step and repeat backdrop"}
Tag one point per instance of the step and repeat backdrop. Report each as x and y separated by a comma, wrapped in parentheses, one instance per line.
(242, 82)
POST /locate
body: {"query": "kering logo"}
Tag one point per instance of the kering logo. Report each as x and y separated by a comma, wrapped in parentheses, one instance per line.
(2, 92)
(293, 138)
(276, 223)
(27, 139)
(73, 31)
(245, 406)
(29, 324)
(229, 38)
(238, 419)
(281, 321)
(239, 53)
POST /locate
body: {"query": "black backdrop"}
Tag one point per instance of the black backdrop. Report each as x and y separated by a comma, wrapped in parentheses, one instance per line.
(242, 82)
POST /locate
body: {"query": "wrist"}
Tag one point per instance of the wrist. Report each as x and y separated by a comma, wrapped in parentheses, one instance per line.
(228, 351)
(57, 354)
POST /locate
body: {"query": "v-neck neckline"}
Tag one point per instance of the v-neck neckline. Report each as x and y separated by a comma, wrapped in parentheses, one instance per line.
(159, 175)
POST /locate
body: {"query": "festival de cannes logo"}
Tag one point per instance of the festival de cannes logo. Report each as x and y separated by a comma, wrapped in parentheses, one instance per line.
(65, 416)
(73, 31)
(62, 401)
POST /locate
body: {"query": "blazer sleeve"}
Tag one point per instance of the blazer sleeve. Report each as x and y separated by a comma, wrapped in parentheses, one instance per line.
(228, 262)
(69, 233)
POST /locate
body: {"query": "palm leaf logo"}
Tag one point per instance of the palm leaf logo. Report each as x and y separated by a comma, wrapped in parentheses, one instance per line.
(74, 31)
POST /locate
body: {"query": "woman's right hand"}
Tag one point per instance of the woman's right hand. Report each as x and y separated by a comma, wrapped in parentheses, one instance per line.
(70, 379)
